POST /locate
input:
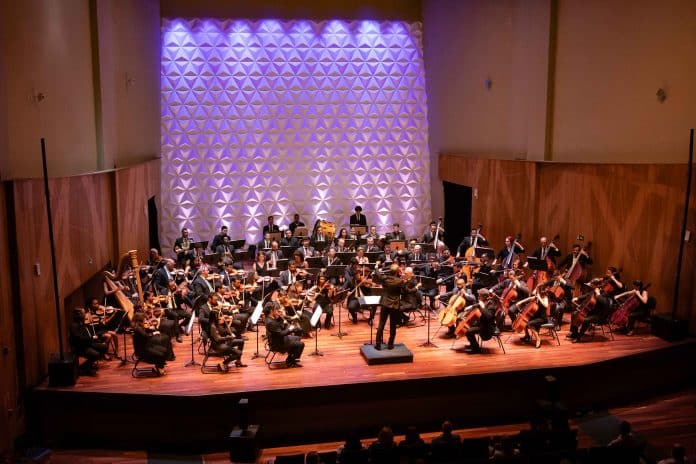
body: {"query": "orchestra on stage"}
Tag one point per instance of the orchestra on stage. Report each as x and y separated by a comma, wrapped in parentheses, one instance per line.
(295, 276)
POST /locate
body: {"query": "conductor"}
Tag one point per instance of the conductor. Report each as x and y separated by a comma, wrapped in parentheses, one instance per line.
(394, 286)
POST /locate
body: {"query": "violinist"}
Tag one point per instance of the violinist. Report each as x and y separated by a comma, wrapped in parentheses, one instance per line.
(177, 309)
(330, 259)
(225, 342)
(201, 287)
(206, 311)
(507, 254)
(468, 241)
(162, 277)
(386, 257)
(282, 336)
(85, 342)
(103, 324)
(461, 290)
(371, 246)
(154, 313)
(637, 308)
(412, 297)
(290, 275)
(149, 343)
(322, 293)
(485, 326)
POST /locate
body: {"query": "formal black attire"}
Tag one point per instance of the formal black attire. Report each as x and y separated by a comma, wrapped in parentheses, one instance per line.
(294, 225)
(223, 342)
(280, 337)
(85, 343)
(160, 280)
(484, 327)
(400, 235)
(360, 220)
(468, 242)
(546, 252)
(183, 255)
(270, 256)
(270, 229)
(446, 448)
(349, 283)
(503, 254)
(264, 245)
(150, 347)
(217, 240)
(289, 242)
(393, 289)
(568, 261)
(225, 249)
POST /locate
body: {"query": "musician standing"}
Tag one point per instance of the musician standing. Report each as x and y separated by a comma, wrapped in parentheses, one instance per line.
(394, 288)
(396, 233)
(280, 336)
(295, 224)
(507, 254)
(358, 219)
(468, 242)
(270, 226)
(546, 250)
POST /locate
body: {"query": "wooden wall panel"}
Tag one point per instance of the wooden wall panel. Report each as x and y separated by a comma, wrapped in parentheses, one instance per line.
(134, 186)
(11, 419)
(631, 213)
(83, 225)
(505, 204)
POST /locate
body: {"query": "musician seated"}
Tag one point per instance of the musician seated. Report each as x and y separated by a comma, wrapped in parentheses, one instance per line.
(330, 259)
(594, 314)
(306, 251)
(265, 243)
(395, 234)
(183, 247)
(459, 290)
(342, 234)
(177, 309)
(162, 277)
(484, 327)
(288, 240)
(218, 239)
(225, 248)
(290, 275)
(104, 324)
(341, 246)
(371, 246)
(417, 254)
(273, 255)
(360, 256)
(371, 233)
(205, 313)
(85, 342)
(539, 318)
(295, 224)
(640, 306)
(413, 297)
(227, 307)
(223, 341)
(148, 344)
(281, 336)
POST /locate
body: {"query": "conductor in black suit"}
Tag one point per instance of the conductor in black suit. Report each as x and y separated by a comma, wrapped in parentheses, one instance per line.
(394, 287)
(358, 218)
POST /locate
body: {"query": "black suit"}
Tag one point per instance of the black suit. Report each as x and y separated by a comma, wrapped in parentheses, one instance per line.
(291, 242)
(264, 245)
(223, 249)
(267, 228)
(355, 220)
(160, 279)
(394, 286)
(201, 287)
(395, 236)
(281, 338)
(217, 240)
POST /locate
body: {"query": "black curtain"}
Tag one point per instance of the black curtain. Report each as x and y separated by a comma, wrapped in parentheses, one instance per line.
(457, 213)
(152, 223)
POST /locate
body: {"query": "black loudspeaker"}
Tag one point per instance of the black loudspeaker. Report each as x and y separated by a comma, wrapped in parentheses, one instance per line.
(62, 372)
(244, 413)
(668, 328)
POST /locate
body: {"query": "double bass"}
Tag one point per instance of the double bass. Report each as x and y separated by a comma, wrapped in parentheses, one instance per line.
(470, 256)
(576, 269)
(540, 277)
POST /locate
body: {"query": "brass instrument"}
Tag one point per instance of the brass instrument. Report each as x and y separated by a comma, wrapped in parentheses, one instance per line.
(328, 229)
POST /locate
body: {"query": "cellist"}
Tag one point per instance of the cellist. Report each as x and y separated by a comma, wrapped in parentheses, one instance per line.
(485, 326)
(509, 291)
(540, 316)
(459, 290)
(639, 294)
(603, 291)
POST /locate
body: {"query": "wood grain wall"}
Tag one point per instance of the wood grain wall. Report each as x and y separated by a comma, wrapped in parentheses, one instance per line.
(11, 416)
(134, 186)
(631, 212)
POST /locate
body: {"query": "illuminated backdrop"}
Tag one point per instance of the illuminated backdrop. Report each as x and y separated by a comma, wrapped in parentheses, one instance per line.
(277, 117)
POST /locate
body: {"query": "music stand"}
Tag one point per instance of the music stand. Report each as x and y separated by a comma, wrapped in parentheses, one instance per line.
(427, 248)
(479, 252)
(314, 261)
(359, 229)
(300, 232)
(350, 243)
(288, 250)
(370, 300)
(255, 320)
(203, 244)
(237, 244)
(397, 245)
(373, 255)
(428, 283)
(337, 299)
(345, 256)
(211, 259)
(314, 322)
(275, 272)
(537, 264)
(189, 331)
(275, 236)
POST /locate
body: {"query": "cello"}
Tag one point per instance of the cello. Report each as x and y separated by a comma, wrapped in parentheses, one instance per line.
(620, 316)
(472, 316)
(448, 316)
(532, 306)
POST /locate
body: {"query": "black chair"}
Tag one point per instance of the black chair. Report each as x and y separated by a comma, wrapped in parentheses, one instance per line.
(602, 324)
(650, 310)
(550, 328)
(140, 372)
(271, 352)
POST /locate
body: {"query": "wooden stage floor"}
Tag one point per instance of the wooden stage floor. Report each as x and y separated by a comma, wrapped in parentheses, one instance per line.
(342, 363)
(339, 391)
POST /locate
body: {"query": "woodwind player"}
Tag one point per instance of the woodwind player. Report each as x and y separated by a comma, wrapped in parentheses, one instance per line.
(183, 247)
